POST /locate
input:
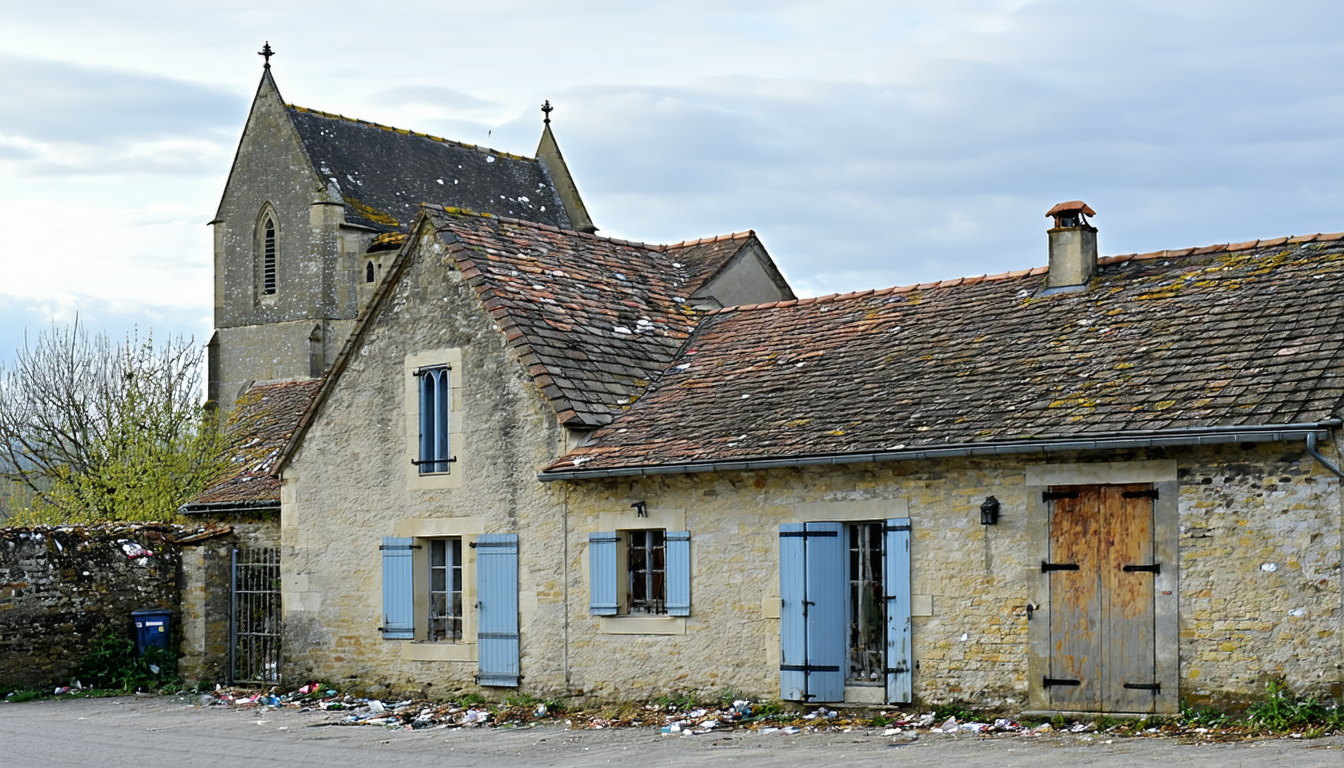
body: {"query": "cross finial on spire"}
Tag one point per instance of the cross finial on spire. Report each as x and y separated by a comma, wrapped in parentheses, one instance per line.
(266, 53)
(546, 108)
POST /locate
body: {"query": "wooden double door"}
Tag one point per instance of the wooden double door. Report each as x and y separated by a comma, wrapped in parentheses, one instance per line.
(1101, 571)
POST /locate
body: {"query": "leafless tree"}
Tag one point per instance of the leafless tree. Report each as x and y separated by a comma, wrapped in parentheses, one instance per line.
(105, 430)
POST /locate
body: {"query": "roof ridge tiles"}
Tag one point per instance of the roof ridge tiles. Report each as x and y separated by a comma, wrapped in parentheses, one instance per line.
(1104, 261)
(408, 132)
(659, 248)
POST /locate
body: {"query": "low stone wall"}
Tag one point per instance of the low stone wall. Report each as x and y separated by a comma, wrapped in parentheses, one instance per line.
(60, 587)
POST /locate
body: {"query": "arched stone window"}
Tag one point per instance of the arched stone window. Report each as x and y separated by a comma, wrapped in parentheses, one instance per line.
(268, 256)
(368, 272)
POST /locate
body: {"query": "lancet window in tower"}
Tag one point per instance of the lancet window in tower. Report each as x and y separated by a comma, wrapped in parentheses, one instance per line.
(268, 258)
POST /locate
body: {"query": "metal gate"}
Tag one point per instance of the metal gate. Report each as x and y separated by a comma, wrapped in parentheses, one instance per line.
(254, 636)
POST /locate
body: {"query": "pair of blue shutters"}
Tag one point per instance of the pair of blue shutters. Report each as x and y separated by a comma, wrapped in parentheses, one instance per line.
(496, 606)
(603, 577)
(814, 591)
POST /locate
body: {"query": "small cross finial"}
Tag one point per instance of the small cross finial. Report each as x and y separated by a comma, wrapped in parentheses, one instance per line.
(546, 108)
(266, 53)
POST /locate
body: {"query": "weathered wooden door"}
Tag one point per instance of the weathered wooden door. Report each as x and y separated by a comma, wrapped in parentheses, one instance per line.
(1101, 569)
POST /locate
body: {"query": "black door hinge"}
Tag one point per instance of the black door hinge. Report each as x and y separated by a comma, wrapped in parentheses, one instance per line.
(1048, 567)
(1152, 568)
(1150, 493)
(1053, 681)
(1154, 687)
(1056, 495)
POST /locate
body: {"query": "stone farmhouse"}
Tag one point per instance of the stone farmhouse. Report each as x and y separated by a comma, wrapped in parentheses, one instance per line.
(509, 453)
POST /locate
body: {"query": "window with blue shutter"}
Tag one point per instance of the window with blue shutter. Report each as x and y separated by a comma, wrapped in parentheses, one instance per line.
(435, 454)
(897, 583)
(603, 599)
(398, 590)
(812, 586)
(497, 620)
(678, 573)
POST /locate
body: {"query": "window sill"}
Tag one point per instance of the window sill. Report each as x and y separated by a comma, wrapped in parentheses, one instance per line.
(419, 651)
(642, 625)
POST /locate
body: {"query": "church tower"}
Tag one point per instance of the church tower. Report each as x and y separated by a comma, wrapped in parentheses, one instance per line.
(314, 207)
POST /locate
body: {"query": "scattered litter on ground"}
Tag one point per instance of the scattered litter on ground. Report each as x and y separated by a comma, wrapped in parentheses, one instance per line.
(900, 728)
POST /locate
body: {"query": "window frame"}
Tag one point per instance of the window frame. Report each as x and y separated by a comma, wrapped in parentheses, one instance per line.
(457, 456)
(435, 453)
(454, 609)
(644, 570)
(266, 254)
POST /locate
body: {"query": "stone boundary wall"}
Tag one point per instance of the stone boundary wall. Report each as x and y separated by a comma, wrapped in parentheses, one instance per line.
(61, 586)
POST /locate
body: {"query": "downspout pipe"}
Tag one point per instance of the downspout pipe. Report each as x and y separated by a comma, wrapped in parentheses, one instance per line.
(1320, 459)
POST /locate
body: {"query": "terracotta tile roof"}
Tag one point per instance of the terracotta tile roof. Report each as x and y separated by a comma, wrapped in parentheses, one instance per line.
(593, 319)
(259, 427)
(706, 256)
(1227, 335)
(384, 173)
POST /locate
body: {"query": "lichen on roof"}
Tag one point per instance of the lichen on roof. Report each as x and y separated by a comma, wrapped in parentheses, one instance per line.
(383, 174)
(1228, 335)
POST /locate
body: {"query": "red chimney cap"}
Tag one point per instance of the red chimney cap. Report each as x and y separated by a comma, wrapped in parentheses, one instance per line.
(1071, 206)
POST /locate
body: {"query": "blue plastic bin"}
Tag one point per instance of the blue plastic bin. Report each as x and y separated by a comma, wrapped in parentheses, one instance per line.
(151, 628)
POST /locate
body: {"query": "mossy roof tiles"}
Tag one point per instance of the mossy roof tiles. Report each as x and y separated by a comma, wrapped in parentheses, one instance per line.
(1248, 334)
(384, 174)
(594, 319)
(257, 431)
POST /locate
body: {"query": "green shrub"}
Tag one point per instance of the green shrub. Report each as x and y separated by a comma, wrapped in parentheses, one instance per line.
(1282, 710)
(950, 710)
(111, 663)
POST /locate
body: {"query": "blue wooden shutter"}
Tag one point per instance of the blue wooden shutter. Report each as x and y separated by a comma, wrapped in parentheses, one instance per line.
(900, 661)
(398, 593)
(426, 422)
(435, 406)
(678, 573)
(497, 617)
(827, 582)
(792, 621)
(812, 581)
(602, 599)
(441, 408)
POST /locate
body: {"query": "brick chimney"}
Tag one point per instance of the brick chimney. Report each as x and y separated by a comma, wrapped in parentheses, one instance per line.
(1073, 245)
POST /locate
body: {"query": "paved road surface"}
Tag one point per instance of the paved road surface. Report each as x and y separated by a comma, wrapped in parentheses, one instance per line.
(134, 732)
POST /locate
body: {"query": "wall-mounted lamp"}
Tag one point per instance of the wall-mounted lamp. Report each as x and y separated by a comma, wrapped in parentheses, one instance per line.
(640, 508)
(989, 511)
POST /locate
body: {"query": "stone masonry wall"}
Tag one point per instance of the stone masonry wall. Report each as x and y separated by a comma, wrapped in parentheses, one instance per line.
(1260, 560)
(60, 587)
(348, 488)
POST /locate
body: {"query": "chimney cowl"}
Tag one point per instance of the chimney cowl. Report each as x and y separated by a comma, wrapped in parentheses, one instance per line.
(1074, 213)
(1073, 246)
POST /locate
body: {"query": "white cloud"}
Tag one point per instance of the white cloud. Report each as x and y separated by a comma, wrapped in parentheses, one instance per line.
(868, 143)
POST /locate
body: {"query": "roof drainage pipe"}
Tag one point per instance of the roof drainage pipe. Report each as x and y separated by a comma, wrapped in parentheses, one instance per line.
(1156, 439)
(1315, 454)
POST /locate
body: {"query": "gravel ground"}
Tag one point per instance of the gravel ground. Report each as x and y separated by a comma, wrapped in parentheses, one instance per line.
(147, 732)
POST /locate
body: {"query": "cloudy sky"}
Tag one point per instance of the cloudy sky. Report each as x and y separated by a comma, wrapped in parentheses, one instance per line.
(868, 143)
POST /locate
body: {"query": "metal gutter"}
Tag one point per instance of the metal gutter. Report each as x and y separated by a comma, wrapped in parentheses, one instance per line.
(214, 507)
(1110, 441)
(1315, 454)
